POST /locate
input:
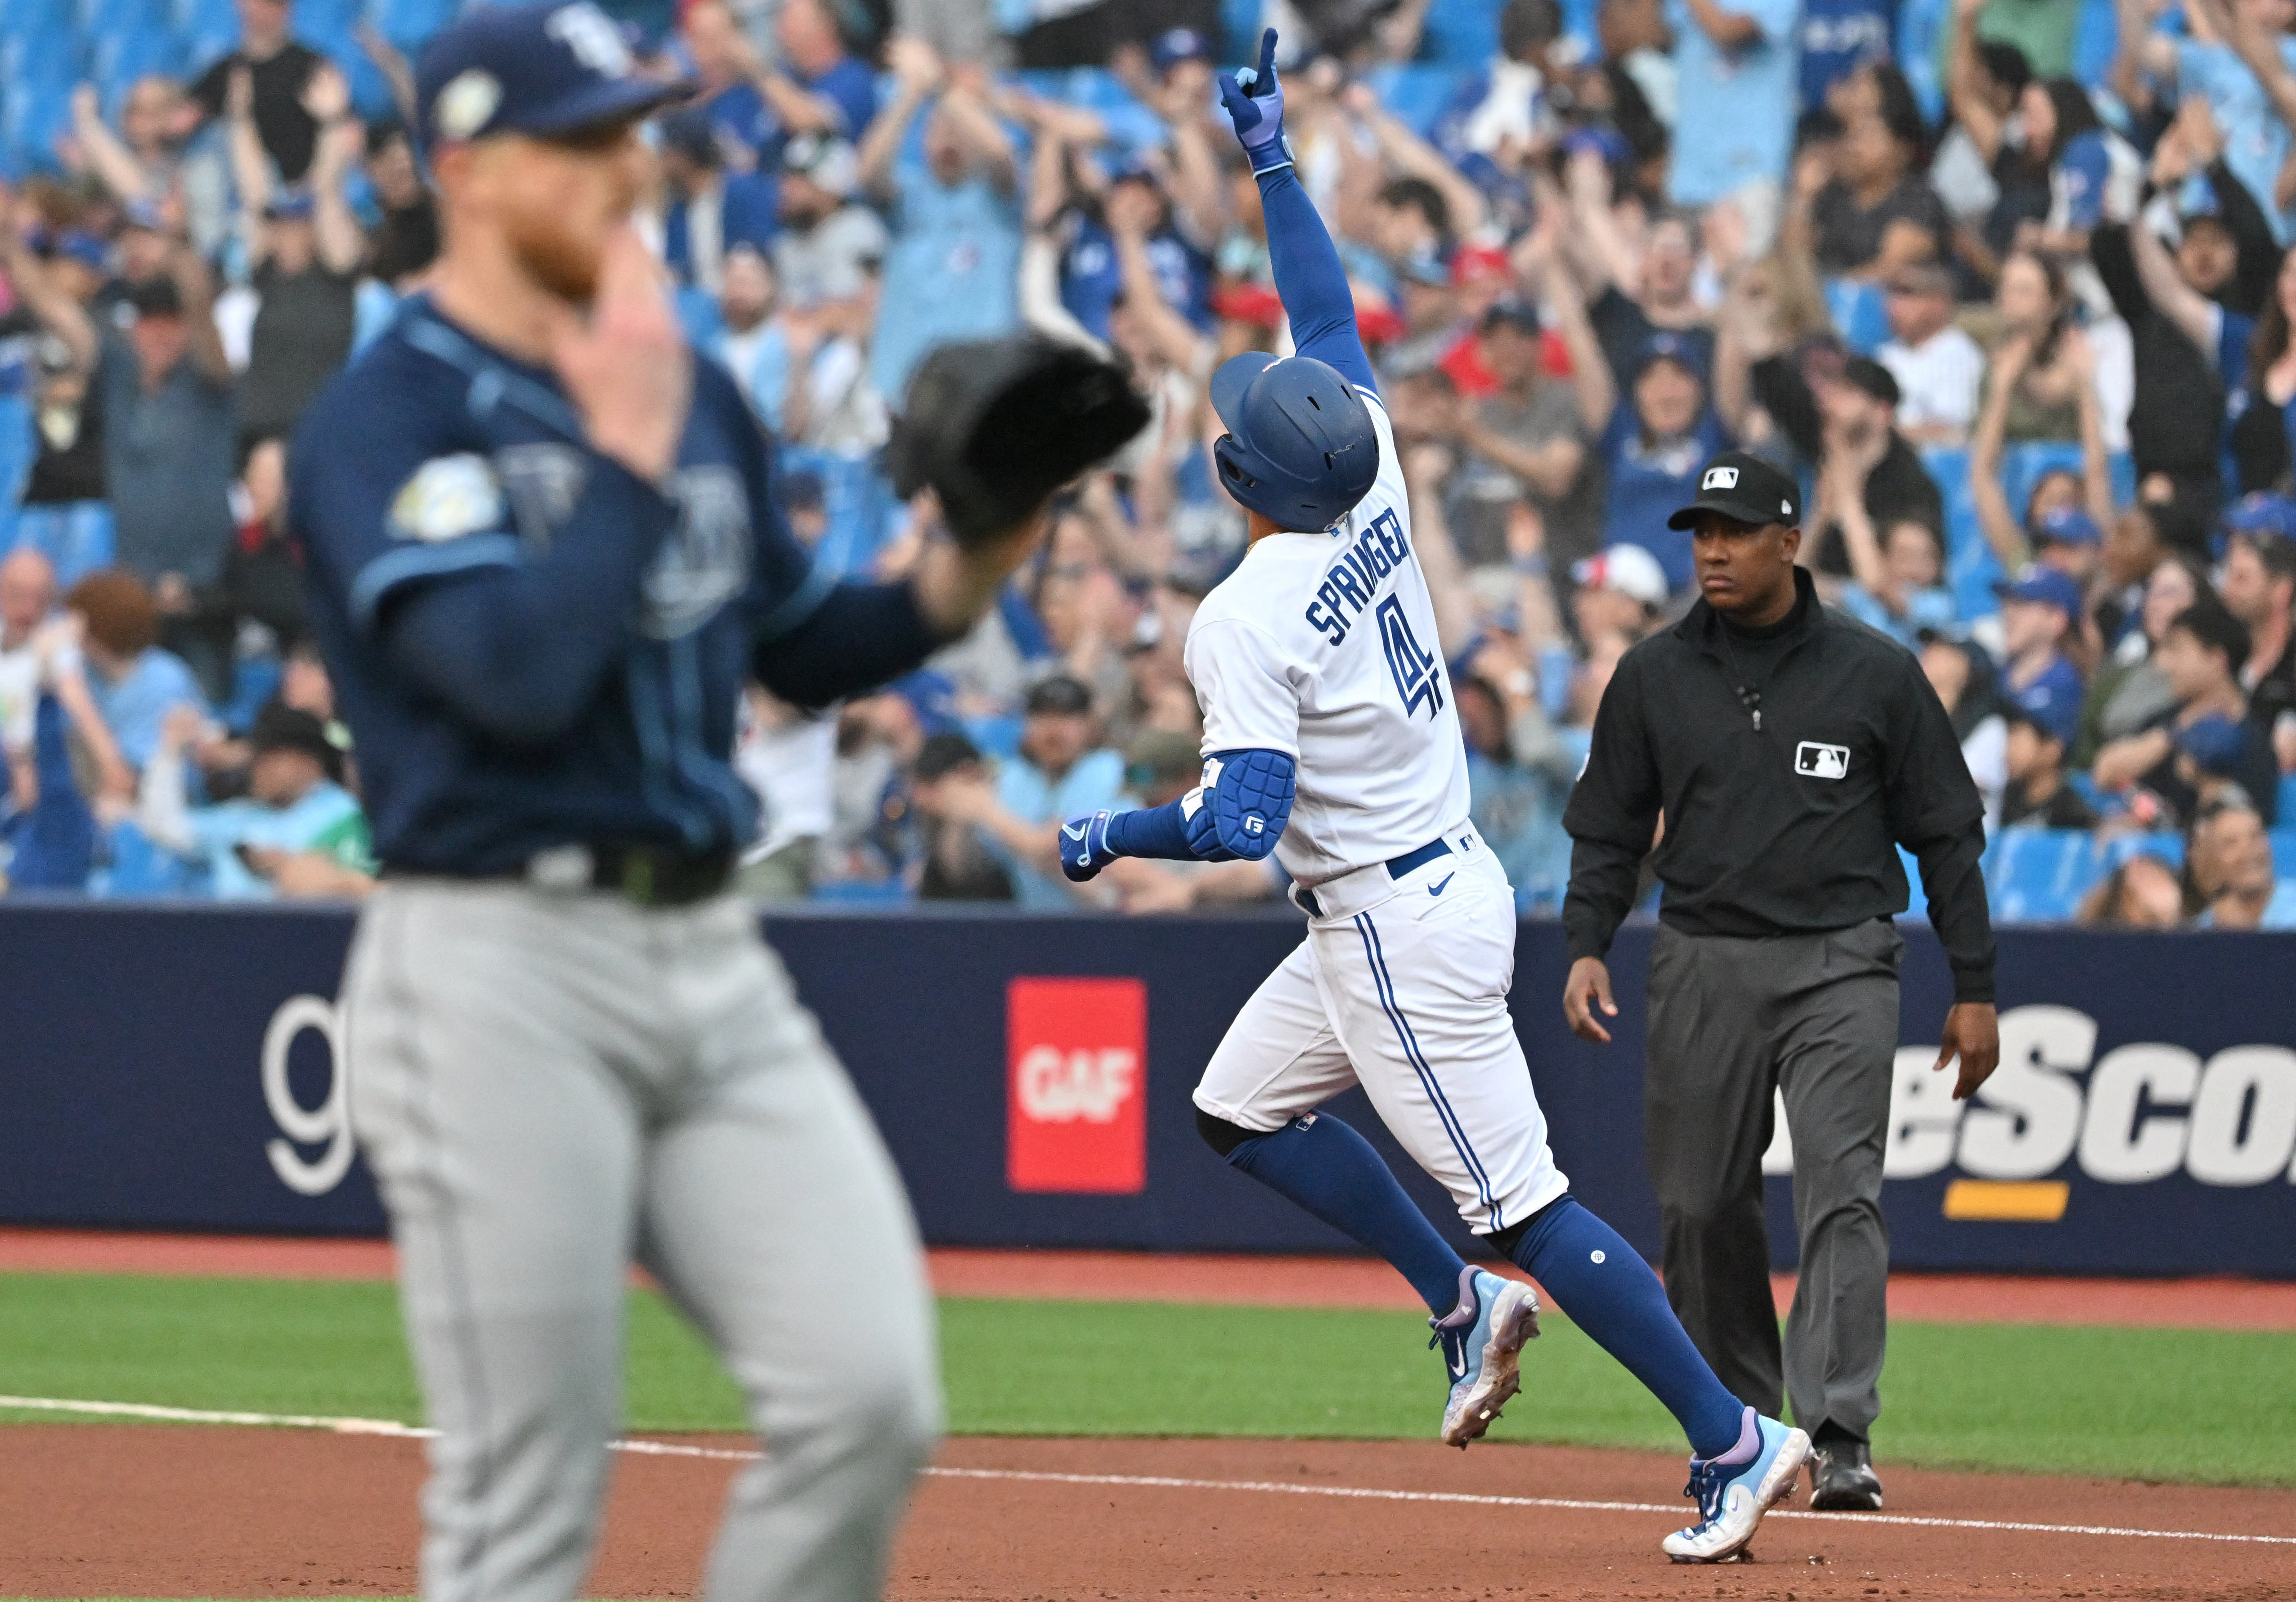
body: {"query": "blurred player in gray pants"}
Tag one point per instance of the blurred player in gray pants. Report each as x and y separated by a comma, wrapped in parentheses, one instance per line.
(543, 561)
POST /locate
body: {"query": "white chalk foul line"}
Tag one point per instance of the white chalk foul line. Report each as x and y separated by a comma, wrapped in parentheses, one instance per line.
(673, 1449)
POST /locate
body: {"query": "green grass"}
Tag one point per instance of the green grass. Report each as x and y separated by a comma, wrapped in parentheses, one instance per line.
(2199, 1406)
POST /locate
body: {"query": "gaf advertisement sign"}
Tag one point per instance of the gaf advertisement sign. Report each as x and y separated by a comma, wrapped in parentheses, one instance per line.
(1076, 1109)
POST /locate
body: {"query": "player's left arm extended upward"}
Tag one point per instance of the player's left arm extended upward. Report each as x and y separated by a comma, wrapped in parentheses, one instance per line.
(1240, 810)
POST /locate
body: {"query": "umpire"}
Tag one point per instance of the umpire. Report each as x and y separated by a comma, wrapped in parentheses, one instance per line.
(1788, 750)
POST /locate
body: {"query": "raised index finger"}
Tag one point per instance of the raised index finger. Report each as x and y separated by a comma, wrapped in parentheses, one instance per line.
(1267, 62)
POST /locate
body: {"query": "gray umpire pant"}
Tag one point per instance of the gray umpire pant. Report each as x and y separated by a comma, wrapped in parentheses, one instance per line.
(1815, 1015)
(550, 1086)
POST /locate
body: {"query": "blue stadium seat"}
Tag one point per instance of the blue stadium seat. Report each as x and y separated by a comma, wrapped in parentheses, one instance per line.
(32, 19)
(2096, 38)
(1239, 21)
(254, 681)
(1859, 312)
(2287, 797)
(1921, 27)
(2039, 875)
(96, 17)
(1130, 124)
(332, 18)
(209, 28)
(1917, 900)
(32, 117)
(995, 737)
(116, 59)
(2283, 854)
(139, 869)
(409, 23)
(1463, 34)
(862, 893)
(37, 61)
(2167, 845)
(1416, 95)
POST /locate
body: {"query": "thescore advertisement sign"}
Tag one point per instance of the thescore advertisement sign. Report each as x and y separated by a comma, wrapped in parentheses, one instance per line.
(179, 1068)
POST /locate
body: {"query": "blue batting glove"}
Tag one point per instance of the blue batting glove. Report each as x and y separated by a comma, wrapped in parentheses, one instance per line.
(1083, 846)
(1254, 100)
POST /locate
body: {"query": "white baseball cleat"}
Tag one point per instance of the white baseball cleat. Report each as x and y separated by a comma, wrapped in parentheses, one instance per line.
(1733, 1497)
(1481, 1346)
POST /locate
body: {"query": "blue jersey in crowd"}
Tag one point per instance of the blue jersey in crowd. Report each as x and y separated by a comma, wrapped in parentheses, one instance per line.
(1091, 277)
(1838, 37)
(1650, 483)
(534, 646)
(1741, 103)
(2053, 699)
(740, 116)
(953, 272)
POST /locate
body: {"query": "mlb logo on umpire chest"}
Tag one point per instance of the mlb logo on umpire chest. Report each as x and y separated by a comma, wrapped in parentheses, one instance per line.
(1813, 760)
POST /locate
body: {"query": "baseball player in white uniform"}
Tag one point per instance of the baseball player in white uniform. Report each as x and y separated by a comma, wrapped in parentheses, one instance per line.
(1331, 739)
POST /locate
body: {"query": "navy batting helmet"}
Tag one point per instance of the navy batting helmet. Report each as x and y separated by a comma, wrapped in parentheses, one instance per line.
(1299, 448)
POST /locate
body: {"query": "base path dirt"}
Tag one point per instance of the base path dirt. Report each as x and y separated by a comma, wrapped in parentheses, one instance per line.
(90, 1510)
(1357, 1282)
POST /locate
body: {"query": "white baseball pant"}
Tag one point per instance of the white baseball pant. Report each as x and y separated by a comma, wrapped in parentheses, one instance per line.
(1401, 987)
(551, 1085)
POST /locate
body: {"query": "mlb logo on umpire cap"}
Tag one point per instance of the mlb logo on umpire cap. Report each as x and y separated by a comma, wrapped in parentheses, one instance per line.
(1744, 488)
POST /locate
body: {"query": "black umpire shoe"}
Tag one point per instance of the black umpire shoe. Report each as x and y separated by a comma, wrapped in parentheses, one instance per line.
(1841, 1478)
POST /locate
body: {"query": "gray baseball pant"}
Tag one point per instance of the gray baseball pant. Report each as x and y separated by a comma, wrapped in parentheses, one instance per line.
(1815, 1015)
(550, 1086)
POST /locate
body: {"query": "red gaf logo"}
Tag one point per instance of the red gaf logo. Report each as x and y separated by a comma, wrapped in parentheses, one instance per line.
(1076, 1105)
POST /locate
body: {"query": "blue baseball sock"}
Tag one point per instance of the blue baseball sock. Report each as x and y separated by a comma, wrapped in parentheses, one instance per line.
(1608, 1290)
(1331, 1171)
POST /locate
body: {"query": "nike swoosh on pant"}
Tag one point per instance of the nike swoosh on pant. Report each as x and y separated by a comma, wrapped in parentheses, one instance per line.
(1437, 889)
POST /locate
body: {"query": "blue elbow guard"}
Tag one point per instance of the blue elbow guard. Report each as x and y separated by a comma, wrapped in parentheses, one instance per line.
(1240, 810)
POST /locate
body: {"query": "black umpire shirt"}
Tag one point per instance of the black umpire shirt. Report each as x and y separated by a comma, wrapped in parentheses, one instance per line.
(1789, 763)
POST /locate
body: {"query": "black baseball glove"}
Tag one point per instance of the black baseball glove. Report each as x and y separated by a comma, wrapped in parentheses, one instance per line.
(995, 426)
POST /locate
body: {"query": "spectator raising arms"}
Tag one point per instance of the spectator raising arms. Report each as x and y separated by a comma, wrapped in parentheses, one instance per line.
(954, 263)
(278, 71)
(1878, 212)
(305, 247)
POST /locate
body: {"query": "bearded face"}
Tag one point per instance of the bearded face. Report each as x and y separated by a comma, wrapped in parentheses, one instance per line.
(558, 200)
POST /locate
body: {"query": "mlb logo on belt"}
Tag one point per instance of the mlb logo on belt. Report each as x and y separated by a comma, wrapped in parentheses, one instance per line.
(1075, 1102)
(1816, 761)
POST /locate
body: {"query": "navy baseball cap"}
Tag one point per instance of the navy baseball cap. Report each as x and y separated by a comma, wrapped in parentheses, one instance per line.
(1174, 46)
(2262, 513)
(2046, 586)
(537, 69)
(1742, 487)
(2067, 525)
(1665, 347)
(2215, 743)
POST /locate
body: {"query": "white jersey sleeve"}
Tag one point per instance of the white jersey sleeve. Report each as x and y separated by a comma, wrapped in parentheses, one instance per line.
(1248, 686)
(1322, 646)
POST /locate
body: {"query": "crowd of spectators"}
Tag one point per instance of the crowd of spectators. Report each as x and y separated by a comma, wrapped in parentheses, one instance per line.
(2005, 283)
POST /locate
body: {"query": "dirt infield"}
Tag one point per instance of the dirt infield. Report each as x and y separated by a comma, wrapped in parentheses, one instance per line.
(1257, 1281)
(102, 1510)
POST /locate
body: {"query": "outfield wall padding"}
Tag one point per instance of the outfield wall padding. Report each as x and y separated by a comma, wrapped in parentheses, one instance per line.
(173, 1067)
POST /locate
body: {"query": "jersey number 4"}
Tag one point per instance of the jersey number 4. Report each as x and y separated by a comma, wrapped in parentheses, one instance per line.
(1418, 675)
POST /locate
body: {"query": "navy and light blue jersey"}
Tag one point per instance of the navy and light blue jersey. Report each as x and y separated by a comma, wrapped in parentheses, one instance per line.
(534, 646)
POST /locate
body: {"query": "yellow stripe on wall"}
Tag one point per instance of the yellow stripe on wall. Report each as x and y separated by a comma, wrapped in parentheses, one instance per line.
(2007, 1201)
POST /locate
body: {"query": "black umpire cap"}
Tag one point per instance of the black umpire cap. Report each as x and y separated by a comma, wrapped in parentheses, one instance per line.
(538, 70)
(1744, 488)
